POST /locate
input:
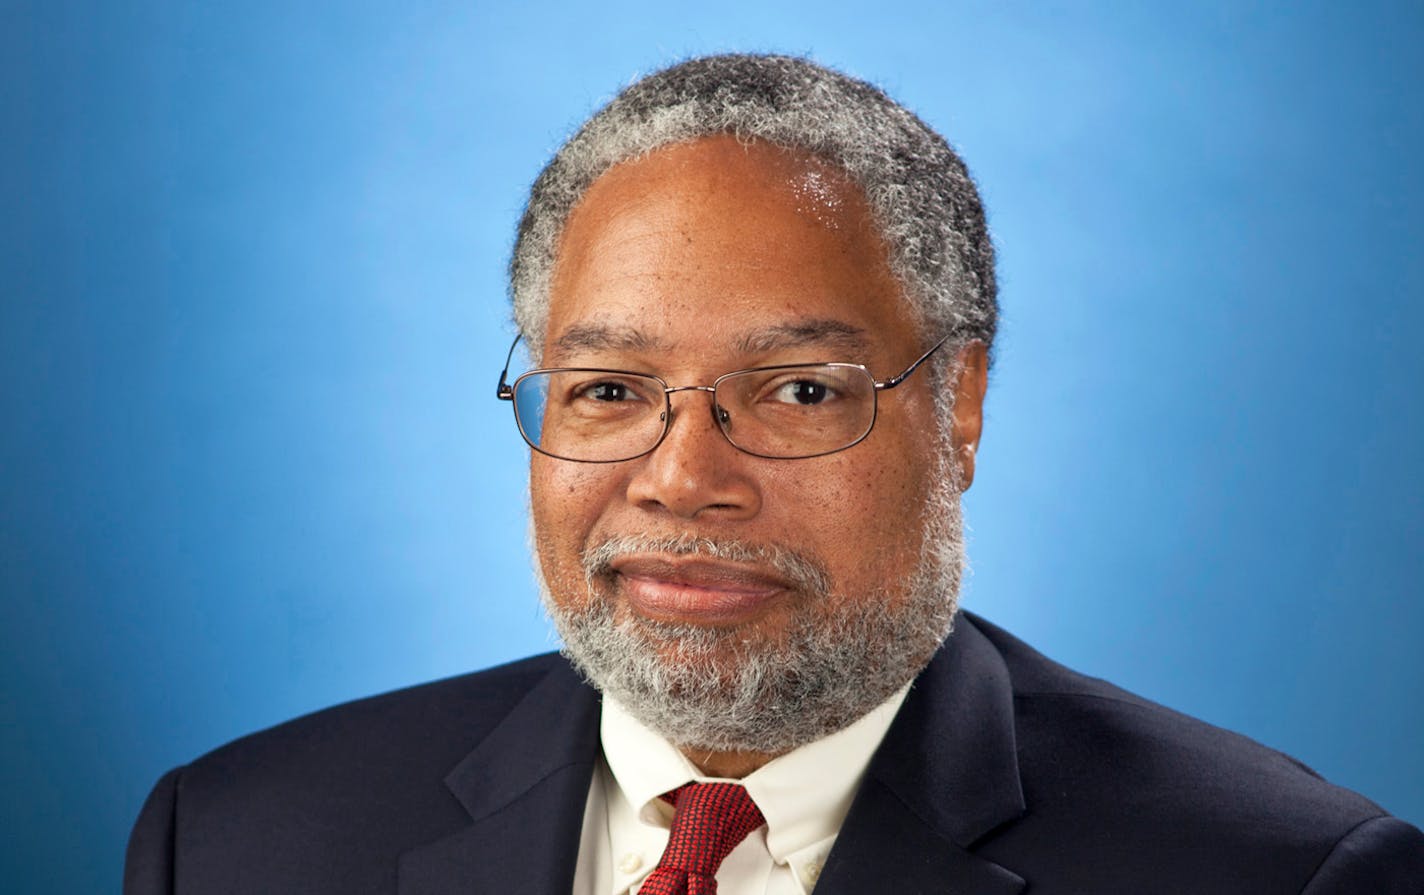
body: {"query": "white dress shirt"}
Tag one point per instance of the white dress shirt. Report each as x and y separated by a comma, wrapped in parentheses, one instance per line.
(804, 796)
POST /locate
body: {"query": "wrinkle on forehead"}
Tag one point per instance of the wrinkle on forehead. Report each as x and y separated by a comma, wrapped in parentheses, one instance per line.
(595, 337)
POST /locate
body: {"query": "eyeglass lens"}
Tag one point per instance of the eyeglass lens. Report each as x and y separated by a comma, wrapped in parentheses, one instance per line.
(594, 415)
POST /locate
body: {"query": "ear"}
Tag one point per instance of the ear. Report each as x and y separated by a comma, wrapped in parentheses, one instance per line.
(971, 380)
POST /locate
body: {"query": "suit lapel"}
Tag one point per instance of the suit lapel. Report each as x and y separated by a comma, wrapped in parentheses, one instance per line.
(945, 775)
(525, 787)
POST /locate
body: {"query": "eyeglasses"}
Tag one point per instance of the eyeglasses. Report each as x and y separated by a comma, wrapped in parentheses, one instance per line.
(786, 412)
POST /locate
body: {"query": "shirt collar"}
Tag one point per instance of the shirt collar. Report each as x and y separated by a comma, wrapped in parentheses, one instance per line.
(804, 795)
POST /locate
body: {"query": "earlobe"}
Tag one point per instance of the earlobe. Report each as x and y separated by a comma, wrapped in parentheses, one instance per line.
(965, 458)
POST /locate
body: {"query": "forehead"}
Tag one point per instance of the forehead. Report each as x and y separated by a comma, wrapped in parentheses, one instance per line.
(701, 244)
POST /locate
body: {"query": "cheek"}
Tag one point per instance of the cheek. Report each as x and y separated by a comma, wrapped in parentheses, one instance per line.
(566, 501)
(562, 493)
(860, 514)
(887, 505)
(872, 517)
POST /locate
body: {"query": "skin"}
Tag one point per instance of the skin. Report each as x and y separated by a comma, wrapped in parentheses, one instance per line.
(712, 256)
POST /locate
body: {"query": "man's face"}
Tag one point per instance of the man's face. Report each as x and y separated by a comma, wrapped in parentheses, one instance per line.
(706, 564)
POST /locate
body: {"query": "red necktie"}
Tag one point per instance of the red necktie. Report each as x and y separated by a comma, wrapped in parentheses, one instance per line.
(711, 819)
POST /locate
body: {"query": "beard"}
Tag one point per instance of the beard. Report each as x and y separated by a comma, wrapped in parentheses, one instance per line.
(730, 689)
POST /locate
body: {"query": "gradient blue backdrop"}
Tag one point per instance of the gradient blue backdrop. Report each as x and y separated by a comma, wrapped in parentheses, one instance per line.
(253, 309)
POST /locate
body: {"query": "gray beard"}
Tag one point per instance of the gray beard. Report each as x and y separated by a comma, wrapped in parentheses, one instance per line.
(719, 689)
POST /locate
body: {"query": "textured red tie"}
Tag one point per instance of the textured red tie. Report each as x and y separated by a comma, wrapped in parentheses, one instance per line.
(711, 819)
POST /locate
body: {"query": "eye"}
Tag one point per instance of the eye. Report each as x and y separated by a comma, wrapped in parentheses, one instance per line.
(595, 391)
(802, 391)
(606, 391)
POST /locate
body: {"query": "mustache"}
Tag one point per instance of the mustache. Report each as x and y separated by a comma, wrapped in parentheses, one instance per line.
(803, 570)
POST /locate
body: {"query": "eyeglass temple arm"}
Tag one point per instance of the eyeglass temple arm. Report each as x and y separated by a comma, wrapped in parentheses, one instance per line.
(896, 380)
(504, 392)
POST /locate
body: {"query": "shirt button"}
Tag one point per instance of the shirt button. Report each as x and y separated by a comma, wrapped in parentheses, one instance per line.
(630, 863)
(812, 872)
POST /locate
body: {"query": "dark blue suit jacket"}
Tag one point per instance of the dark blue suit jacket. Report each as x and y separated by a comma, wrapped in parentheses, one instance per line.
(1003, 773)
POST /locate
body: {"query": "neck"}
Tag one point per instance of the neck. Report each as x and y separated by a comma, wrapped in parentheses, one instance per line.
(731, 765)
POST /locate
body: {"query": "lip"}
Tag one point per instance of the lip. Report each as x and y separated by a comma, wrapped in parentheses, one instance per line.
(696, 590)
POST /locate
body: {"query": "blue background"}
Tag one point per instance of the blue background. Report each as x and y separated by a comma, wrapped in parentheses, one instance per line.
(253, 311)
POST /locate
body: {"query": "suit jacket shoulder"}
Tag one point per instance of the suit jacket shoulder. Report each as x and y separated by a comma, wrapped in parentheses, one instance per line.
(331, 801)
(1120, 788)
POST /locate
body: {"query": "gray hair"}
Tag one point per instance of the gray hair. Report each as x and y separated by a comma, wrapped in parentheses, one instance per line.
(921, 195)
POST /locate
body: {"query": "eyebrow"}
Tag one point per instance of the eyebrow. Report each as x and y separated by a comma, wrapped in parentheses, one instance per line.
(603, 337)
(801, 333)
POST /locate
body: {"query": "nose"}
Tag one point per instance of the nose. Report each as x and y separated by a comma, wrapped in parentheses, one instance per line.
(695, 472)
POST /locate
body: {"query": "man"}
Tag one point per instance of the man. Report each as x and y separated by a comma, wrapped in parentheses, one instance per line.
(760, 298)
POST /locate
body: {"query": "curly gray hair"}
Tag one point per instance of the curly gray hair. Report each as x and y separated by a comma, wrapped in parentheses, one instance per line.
(921, 195)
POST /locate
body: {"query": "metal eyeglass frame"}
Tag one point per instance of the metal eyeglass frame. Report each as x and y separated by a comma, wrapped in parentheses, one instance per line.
(505, 392)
